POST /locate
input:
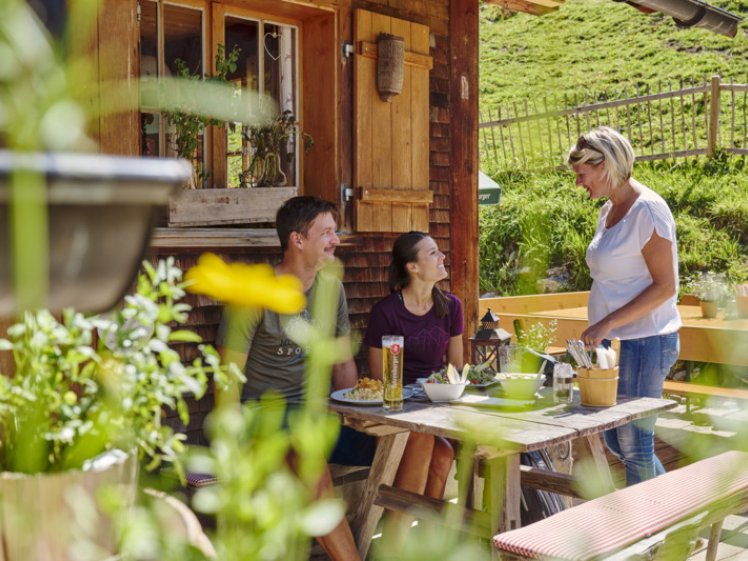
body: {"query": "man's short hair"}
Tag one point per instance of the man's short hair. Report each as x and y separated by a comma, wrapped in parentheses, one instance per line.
(298, 213)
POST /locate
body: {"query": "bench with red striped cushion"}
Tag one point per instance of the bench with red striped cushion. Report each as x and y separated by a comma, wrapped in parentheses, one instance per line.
(603, 526)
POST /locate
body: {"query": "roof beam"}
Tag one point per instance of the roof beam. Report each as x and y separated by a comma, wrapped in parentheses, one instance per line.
(533, 7)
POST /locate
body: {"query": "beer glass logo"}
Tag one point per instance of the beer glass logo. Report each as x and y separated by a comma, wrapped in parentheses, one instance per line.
(395, 349)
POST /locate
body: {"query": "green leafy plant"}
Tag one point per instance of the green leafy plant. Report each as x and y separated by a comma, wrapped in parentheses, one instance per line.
(85, 385)
(524, 356)
(188, 124)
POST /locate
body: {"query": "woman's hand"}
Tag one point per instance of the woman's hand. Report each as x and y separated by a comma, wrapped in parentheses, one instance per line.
(595, 334)
(375, 363)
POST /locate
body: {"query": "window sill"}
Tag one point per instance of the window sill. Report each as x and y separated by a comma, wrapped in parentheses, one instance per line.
(214, 237)
(226, 237)
(212, 207)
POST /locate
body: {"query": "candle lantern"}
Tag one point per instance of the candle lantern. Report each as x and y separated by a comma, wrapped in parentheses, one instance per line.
(486, 344)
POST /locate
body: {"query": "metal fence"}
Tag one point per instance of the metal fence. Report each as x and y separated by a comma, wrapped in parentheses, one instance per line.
(692, 120)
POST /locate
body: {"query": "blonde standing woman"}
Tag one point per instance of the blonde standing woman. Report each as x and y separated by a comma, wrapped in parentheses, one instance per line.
(633, 261)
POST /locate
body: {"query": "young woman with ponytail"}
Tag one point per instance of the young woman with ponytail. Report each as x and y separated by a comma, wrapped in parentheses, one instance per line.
(432, 324)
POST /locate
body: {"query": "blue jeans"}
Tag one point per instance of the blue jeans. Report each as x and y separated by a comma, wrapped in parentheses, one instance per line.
(643, 365)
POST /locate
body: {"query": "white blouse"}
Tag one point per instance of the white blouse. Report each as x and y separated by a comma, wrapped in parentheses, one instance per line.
(619, 271)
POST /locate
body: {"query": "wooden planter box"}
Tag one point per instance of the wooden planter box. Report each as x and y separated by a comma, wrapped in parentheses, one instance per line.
(38, 521)
(210, 207)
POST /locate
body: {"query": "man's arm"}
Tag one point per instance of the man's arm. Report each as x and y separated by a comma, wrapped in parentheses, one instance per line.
(344, 375)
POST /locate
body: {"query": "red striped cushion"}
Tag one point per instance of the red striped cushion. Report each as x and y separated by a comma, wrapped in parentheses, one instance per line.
(611, 522)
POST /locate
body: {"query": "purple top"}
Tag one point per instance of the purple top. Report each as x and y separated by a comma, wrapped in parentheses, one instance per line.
(426, 337)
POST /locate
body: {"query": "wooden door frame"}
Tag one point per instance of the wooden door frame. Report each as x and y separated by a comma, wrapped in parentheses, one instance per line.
(464, 252)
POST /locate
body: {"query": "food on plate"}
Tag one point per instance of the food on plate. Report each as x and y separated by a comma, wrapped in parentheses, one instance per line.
(366, 389)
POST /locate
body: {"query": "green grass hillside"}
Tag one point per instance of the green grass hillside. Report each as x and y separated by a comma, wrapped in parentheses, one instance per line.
(590, 46)
(543, 224)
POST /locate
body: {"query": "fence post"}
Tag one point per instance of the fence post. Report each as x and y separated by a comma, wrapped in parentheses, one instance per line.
(714, 98)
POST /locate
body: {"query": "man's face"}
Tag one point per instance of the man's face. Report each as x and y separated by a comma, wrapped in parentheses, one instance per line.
(319, 244)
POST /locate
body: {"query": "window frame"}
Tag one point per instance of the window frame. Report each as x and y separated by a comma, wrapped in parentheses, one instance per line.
(204, 8)
(218, 37)
(213, 21)
(318, 105)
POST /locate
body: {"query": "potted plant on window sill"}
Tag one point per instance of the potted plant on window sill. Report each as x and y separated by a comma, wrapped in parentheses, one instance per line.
(250, 203)
(711, 289)
(84, 405)
(231, 205)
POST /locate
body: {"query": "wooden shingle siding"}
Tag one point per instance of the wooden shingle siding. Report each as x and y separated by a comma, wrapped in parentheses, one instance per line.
(366, 257)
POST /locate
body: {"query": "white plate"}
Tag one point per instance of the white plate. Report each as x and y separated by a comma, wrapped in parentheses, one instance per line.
(339, 395)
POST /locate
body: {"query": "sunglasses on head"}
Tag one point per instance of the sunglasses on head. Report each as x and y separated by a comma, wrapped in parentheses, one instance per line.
(582, 143)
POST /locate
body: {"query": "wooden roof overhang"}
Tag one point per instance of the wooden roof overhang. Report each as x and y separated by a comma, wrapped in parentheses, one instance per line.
(686, 13)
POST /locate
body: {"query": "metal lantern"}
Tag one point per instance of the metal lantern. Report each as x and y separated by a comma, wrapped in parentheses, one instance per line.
(486, 344)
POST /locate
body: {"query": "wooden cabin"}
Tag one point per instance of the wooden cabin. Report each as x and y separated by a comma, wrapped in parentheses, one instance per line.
(391, 166)
(392, 163)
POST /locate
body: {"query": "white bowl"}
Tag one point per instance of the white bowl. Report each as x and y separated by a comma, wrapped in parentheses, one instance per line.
(520, 386)
(443, 392)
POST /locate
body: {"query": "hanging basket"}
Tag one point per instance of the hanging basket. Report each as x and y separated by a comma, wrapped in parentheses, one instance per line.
(390, 62)
(100, 213)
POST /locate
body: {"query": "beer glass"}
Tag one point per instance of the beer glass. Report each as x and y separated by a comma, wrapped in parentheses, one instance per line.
(392, 371)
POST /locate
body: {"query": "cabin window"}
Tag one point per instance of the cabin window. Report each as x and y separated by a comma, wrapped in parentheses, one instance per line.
(173, 37)
(267, 66)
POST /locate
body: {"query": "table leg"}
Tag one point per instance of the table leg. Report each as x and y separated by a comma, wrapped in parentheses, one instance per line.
(594, 447)
(390, 450)
(502, 492)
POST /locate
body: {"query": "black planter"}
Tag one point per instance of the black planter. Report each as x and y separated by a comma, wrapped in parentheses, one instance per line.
(100, 215)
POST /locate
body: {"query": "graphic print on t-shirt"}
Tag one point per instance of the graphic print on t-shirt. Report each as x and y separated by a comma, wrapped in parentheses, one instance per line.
(427, 342)
(294, 324)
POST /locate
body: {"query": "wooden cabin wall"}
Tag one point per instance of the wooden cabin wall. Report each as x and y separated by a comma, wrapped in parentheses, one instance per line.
(452, 178)
(367, 264)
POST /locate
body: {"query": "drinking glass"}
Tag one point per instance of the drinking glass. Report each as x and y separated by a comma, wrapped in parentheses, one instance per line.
(563, 388)
(392, 371)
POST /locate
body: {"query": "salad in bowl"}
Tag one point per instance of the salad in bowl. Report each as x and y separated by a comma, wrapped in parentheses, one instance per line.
(478, 375)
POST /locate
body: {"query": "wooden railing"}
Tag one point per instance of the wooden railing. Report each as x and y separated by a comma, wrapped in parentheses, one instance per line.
(532, 303)
(720, 340)
(695, 119)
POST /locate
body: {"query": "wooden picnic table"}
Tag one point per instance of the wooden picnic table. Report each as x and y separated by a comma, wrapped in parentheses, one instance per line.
(508, 431)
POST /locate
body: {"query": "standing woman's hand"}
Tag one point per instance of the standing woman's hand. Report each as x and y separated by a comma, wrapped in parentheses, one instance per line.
(595, 334)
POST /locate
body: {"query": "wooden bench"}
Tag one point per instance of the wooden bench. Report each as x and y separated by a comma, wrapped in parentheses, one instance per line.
(679, 503)
(689, 390)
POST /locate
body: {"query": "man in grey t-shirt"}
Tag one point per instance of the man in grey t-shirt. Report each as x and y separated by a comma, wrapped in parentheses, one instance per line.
(273, 360)
(307, 232)
(256, 341)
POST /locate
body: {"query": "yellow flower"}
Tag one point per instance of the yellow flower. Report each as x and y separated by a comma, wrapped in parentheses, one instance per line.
(246, 285)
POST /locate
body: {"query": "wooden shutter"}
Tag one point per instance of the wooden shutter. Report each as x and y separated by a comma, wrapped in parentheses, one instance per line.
(391, 139)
